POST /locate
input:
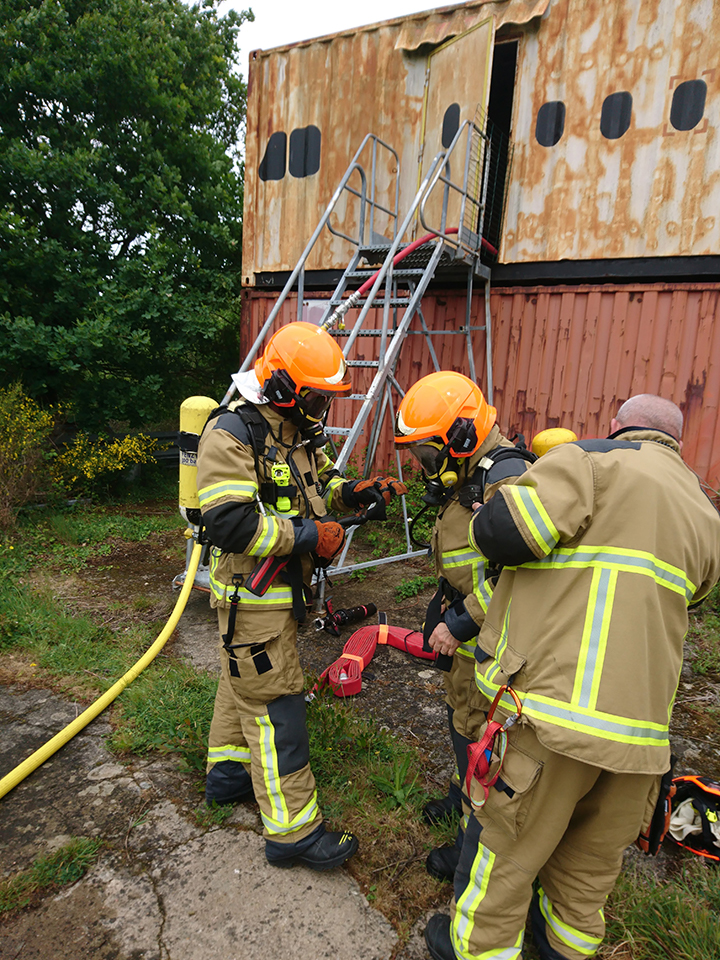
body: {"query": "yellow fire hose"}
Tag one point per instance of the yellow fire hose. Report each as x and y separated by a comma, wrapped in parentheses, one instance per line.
(25, 768)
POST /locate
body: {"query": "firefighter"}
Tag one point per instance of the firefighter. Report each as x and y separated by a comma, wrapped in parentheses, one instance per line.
(605, 544)
(265, 488)
(446, 423)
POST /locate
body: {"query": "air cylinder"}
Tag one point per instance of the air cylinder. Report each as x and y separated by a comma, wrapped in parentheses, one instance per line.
(194, 413)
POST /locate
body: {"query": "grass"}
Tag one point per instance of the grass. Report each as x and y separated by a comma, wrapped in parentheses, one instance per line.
(369, 781)
(57, 869)
(678, 918)
(704, 635)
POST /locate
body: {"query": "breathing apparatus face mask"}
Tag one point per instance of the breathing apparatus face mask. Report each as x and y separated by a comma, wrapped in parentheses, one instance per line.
(305, 408)
(437, 464)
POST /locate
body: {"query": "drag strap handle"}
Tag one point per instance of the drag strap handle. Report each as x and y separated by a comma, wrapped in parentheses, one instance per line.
(433, 617)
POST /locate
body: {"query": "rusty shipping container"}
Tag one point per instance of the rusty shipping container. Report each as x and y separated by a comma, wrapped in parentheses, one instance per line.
(569, 356)
(607, 278)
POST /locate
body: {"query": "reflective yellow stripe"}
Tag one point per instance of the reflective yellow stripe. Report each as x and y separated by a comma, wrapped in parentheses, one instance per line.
(271, 773)
(470, 899)
(228, 752)
(331, 487)
(466, 909)
(467, 649)
(537, 520)
(329, 465)
(279, 596)
(594, 723)
(241, 490)
(594, 639)
(308, 813)
(583, 943)
(266, 539)
(620, 559)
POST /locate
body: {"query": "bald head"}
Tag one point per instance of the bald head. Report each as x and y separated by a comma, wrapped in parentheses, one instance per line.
(647, 410)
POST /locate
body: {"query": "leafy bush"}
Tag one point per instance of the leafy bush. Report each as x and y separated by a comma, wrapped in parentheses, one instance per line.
(25, 429)
(31, 465)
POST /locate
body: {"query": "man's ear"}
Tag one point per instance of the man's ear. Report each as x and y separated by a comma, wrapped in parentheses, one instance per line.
(614, 426)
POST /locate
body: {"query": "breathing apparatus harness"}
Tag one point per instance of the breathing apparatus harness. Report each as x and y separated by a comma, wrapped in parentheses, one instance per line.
(439, 489)
(278, 492)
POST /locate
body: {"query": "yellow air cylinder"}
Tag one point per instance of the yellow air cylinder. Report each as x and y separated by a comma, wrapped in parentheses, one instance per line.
(552, 437)
(193, 416)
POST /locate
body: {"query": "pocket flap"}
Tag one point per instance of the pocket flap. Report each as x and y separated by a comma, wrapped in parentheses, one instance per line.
(511, 661)
(520, 771)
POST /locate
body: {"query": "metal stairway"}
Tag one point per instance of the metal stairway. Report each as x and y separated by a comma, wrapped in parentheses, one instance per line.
(397, 289)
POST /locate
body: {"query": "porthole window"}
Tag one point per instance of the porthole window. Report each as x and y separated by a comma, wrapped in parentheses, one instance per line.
(616, 115)
(688, 104)
(272, 165)
(451, 124)
(550, 123)
(304, 151)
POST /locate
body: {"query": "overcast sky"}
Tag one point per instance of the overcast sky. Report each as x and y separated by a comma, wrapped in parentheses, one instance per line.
(278, 22)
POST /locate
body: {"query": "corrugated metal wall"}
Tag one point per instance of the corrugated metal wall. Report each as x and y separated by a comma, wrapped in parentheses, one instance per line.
(569, 356)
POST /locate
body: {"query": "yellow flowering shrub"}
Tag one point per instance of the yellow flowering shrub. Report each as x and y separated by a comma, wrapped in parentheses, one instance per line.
(86, 460)
(31, 466)
(25, 430)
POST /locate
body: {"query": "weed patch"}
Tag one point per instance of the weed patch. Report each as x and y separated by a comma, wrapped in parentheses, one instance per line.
(412, 586)
(678, 918)
(63, 866)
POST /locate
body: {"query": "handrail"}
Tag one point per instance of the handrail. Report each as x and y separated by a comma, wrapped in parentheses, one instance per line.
(468, 128)
(299, 266)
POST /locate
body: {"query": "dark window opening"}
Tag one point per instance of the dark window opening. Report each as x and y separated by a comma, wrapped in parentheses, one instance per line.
(498, 150)
(688, 104)
(550, 123)
(304, 151)
(272, 165)
(451, 124)
(616, 115)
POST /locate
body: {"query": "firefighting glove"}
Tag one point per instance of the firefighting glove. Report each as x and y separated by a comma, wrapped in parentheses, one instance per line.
(364, 493)
(331, 537)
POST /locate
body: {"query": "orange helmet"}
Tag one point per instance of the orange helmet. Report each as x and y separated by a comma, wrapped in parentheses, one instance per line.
(302, 366)
(444, 412)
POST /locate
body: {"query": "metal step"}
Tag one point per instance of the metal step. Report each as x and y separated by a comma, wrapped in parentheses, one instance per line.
(398, 272)
(362, 363)
(363, 333)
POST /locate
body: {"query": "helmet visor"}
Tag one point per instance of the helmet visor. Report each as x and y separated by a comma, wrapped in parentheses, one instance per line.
(430, 454)
(313, 403)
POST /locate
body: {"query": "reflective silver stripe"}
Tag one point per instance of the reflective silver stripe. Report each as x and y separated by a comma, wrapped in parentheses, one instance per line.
(628, 561)
(308, 813)
(584, 943)
(276, 596)
(331, 487)
(590, 722)
(535, 516)
(594, 641)
(470, 899)
(242, 754)
(229, 488)
(271, 771)
(269, 533)
(468, 648)
(456, 558)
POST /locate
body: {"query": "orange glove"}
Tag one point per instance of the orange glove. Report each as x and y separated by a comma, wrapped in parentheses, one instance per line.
(331, 537)
(390, 487)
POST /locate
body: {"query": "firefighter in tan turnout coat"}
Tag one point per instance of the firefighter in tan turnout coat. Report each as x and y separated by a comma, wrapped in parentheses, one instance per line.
(446, 423)
(604, 544)
(265, 489)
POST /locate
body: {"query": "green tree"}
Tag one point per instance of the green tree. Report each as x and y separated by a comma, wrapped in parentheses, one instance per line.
(120, 202)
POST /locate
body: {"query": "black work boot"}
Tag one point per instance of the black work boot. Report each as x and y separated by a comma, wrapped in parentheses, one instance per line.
(436, 811)
(320, 850)
(437, 938)
(228, 782)
(442, 862)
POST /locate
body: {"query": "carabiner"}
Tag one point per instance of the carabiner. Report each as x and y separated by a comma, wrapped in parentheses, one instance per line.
(506, 688)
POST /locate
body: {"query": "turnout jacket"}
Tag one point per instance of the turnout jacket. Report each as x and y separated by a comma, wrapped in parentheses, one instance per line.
(604, 543)
(462, 566)
(230, 491)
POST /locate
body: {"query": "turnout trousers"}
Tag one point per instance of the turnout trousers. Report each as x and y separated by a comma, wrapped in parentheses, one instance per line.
(259, 725)
(467, 709)
(560, 820)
